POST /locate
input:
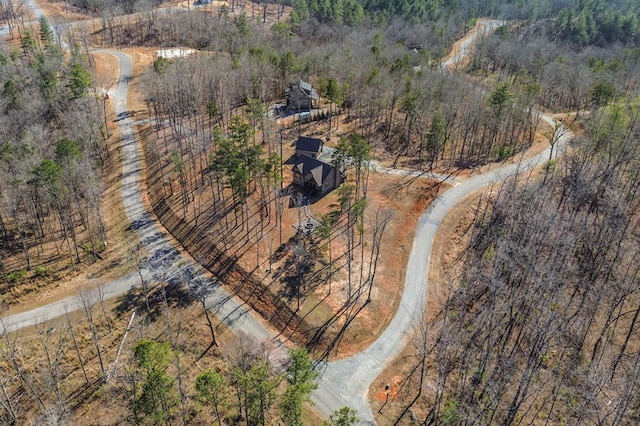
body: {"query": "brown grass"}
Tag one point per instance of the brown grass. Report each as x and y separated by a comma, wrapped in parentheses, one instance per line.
(61, 280)
(255, 279)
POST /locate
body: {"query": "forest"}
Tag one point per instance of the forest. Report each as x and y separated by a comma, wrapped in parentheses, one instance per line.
(543, 325)
(540, 319)
(53, 147)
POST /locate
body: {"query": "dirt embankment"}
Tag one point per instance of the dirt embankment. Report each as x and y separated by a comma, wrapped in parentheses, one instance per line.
(241, 282)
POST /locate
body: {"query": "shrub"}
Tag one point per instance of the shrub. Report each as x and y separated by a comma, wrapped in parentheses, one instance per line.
(16, 276)
(42, 271)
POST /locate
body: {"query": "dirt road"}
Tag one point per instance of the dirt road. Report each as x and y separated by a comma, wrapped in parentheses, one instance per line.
(462, 48)
(345, 382)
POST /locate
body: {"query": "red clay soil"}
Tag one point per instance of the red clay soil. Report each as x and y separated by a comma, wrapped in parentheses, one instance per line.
(245, 274)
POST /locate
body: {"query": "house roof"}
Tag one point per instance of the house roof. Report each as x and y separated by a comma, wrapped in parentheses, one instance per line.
(308, 144)
(318, 169)
(306, 88)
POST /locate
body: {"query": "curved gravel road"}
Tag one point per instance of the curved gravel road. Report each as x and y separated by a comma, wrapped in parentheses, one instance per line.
(343, 383)
(164, 259)
(346, 382)
(485, 26)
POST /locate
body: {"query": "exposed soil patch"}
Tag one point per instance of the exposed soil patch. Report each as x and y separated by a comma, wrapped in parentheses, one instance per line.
(403, 372)
(455, 49)
(453, 237)
(407, 197)
(256, 264)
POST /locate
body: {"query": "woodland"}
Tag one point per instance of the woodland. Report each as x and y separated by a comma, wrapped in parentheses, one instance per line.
(540, 320)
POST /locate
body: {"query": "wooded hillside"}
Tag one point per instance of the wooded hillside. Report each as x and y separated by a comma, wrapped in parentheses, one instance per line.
(540, 325)
(52, 147)
(543, 326)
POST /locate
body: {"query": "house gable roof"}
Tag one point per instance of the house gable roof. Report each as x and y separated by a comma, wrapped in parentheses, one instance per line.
(305, 87)
(308, 144)
(319, 169)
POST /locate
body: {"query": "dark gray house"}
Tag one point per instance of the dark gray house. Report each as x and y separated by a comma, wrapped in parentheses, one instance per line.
(311, 147)
(301, 96)
(316, 176)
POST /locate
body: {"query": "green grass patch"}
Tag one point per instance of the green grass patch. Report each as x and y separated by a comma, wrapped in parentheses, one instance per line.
(503, 152)
(16, 276)
(41, 271)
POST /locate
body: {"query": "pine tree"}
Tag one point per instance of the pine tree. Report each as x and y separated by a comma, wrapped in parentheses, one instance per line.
(80, 80)
(46, 33)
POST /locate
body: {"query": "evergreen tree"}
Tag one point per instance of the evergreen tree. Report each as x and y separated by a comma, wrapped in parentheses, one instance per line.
(211, 388)
(46, 33)
(346, 416)
(28, 43)
(301, 381)
(158, 391)
(79, 80)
